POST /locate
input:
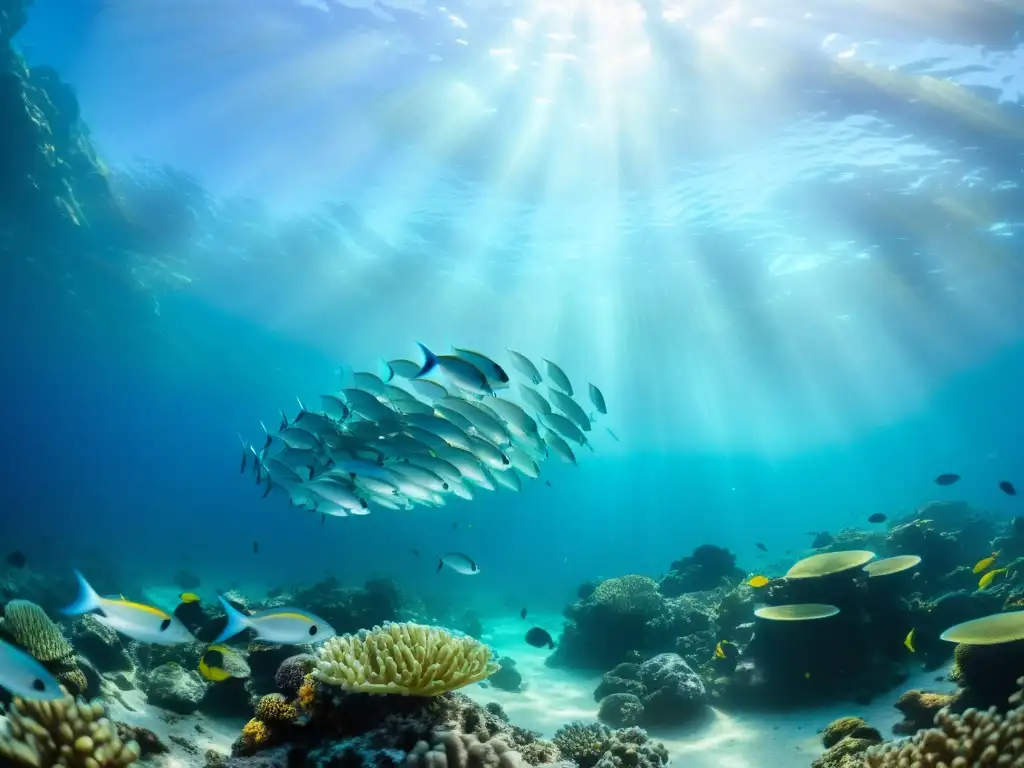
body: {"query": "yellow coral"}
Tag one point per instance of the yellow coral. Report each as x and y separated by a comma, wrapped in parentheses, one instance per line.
(29, 627)
(273, 708)
(64, 734)
(410, 659)
(255, 733)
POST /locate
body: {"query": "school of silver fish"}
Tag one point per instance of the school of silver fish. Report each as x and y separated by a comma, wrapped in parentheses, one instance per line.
(416, 434)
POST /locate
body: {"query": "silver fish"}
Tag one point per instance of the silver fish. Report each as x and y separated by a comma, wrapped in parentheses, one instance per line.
(522, 462)
(284, 626)
(559, 447)
(484, 423)
(369, 382)
(457, 370)
(21, 675)
(534, 399)
(570, 408)
(367, 405)
(405, 369)
(488, 454)
(509, 479)
(564, 427)
(517, 419)
(525, 367)
(558, 377)
(459, 563)
(443, 428)
(597, 399)
(495, 374)
(429, 389)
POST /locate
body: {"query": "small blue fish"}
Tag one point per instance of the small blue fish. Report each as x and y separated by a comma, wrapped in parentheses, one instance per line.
(138, 621)
(23, 676)
(281, 626)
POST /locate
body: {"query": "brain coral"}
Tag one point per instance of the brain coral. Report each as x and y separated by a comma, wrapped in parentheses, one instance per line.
(628, 595)
(410, 659)
(64, 734)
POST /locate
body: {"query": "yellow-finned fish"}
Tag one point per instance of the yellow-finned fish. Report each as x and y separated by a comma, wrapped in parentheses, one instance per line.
(986, 563)
(141, 622)
(758, 581)
(725, 649)
(908, 642)
(989, 577)
(188, 597)
(219, 663)
(281, 626)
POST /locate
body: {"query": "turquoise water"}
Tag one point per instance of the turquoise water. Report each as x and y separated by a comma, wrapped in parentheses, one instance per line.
(790, 260)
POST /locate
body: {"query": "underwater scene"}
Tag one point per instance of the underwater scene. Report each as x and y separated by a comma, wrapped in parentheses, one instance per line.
(508, 383)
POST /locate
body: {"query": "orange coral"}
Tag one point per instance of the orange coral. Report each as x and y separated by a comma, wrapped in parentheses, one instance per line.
(274, 708)
(307, 694)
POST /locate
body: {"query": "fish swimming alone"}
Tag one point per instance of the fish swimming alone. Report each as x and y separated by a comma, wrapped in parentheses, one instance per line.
(758, 581)
(21, 675)
(761, 546)
(908, 642)
(878, 517)
(459, 563)
(188, 597)
(1007, 487)
(539, 638)
(947, 478)
(280, 626)
(141, 622)
(522, 614)
(16, 559)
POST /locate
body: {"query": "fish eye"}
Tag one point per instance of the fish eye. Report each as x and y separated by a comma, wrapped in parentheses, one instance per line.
(38, 685)
(165, 624)
(313, 630)
(445, 486)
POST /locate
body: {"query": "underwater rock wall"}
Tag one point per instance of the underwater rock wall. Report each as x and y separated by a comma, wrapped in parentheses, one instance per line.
(51, 181)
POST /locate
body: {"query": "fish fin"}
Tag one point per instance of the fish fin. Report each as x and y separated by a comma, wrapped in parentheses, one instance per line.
(237, 622)
(440, 565)
(87, 601)
(270, 486)
(269, 440)
(284, 420)
(429, 361)
(387, 373)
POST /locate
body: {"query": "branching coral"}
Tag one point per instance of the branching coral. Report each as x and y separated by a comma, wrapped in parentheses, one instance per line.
(628, 595)
(974, 739)
(409, 659)
(583, 744)
(64, 734)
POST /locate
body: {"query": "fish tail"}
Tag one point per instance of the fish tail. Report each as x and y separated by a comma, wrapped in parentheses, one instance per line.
(387, 373)
(237, 621)
(284, 420)
(270, 486)
(87, 600)
(269, 440)
(429, 361)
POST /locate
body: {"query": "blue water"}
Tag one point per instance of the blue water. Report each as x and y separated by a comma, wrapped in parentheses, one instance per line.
(801, 304)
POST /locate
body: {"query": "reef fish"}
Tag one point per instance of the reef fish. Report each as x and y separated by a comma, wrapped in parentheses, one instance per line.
(557, 377)
(986, 580)
(281, 626)
(525, 367)
(725, 650)
(539, 638)
(1007, 487)
(908, 642)
(494, 373)
(220, 662)
(758, 581)
(878, 517)
(141, 622)
(947, 478)
(23, 676)
(597, 399)
(985, 563)
(188, 597)
(459, 563)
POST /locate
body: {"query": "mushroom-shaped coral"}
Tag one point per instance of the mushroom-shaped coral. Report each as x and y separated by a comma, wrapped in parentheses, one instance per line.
(64, 734)
(988, 630)
(891, 565)
(410, 659)
(828, 563)
(797, 612)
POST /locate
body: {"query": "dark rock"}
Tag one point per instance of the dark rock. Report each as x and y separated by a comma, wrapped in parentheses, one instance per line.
(709, 567)
(675, 693)
(100, 644)
(621, 710)
(174, 688)
(149, 742)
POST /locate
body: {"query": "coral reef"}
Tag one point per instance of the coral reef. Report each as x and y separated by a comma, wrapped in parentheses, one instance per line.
(411, 659)
(974, 738)
(64, 734)
(452, 749)
(594, 745)
(844, 727)
(26, 625)
(291, 673)
(846, 740)
(919, 709)
(707, 568)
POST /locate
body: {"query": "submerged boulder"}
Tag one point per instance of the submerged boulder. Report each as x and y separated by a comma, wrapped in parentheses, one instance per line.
(172, 687)
(676, 694)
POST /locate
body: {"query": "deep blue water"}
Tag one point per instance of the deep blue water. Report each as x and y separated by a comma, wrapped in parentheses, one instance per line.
(800, 313)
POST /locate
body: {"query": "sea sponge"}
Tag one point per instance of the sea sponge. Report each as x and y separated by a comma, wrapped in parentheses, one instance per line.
(452, 749)
(919, 709)
(628, 595)
(842, 727)
(30, 628)
(64, 734)
(974, 739)
(410, 659)
(274, 708)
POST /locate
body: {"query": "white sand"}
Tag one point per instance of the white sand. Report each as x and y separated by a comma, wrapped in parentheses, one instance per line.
(553, 697)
